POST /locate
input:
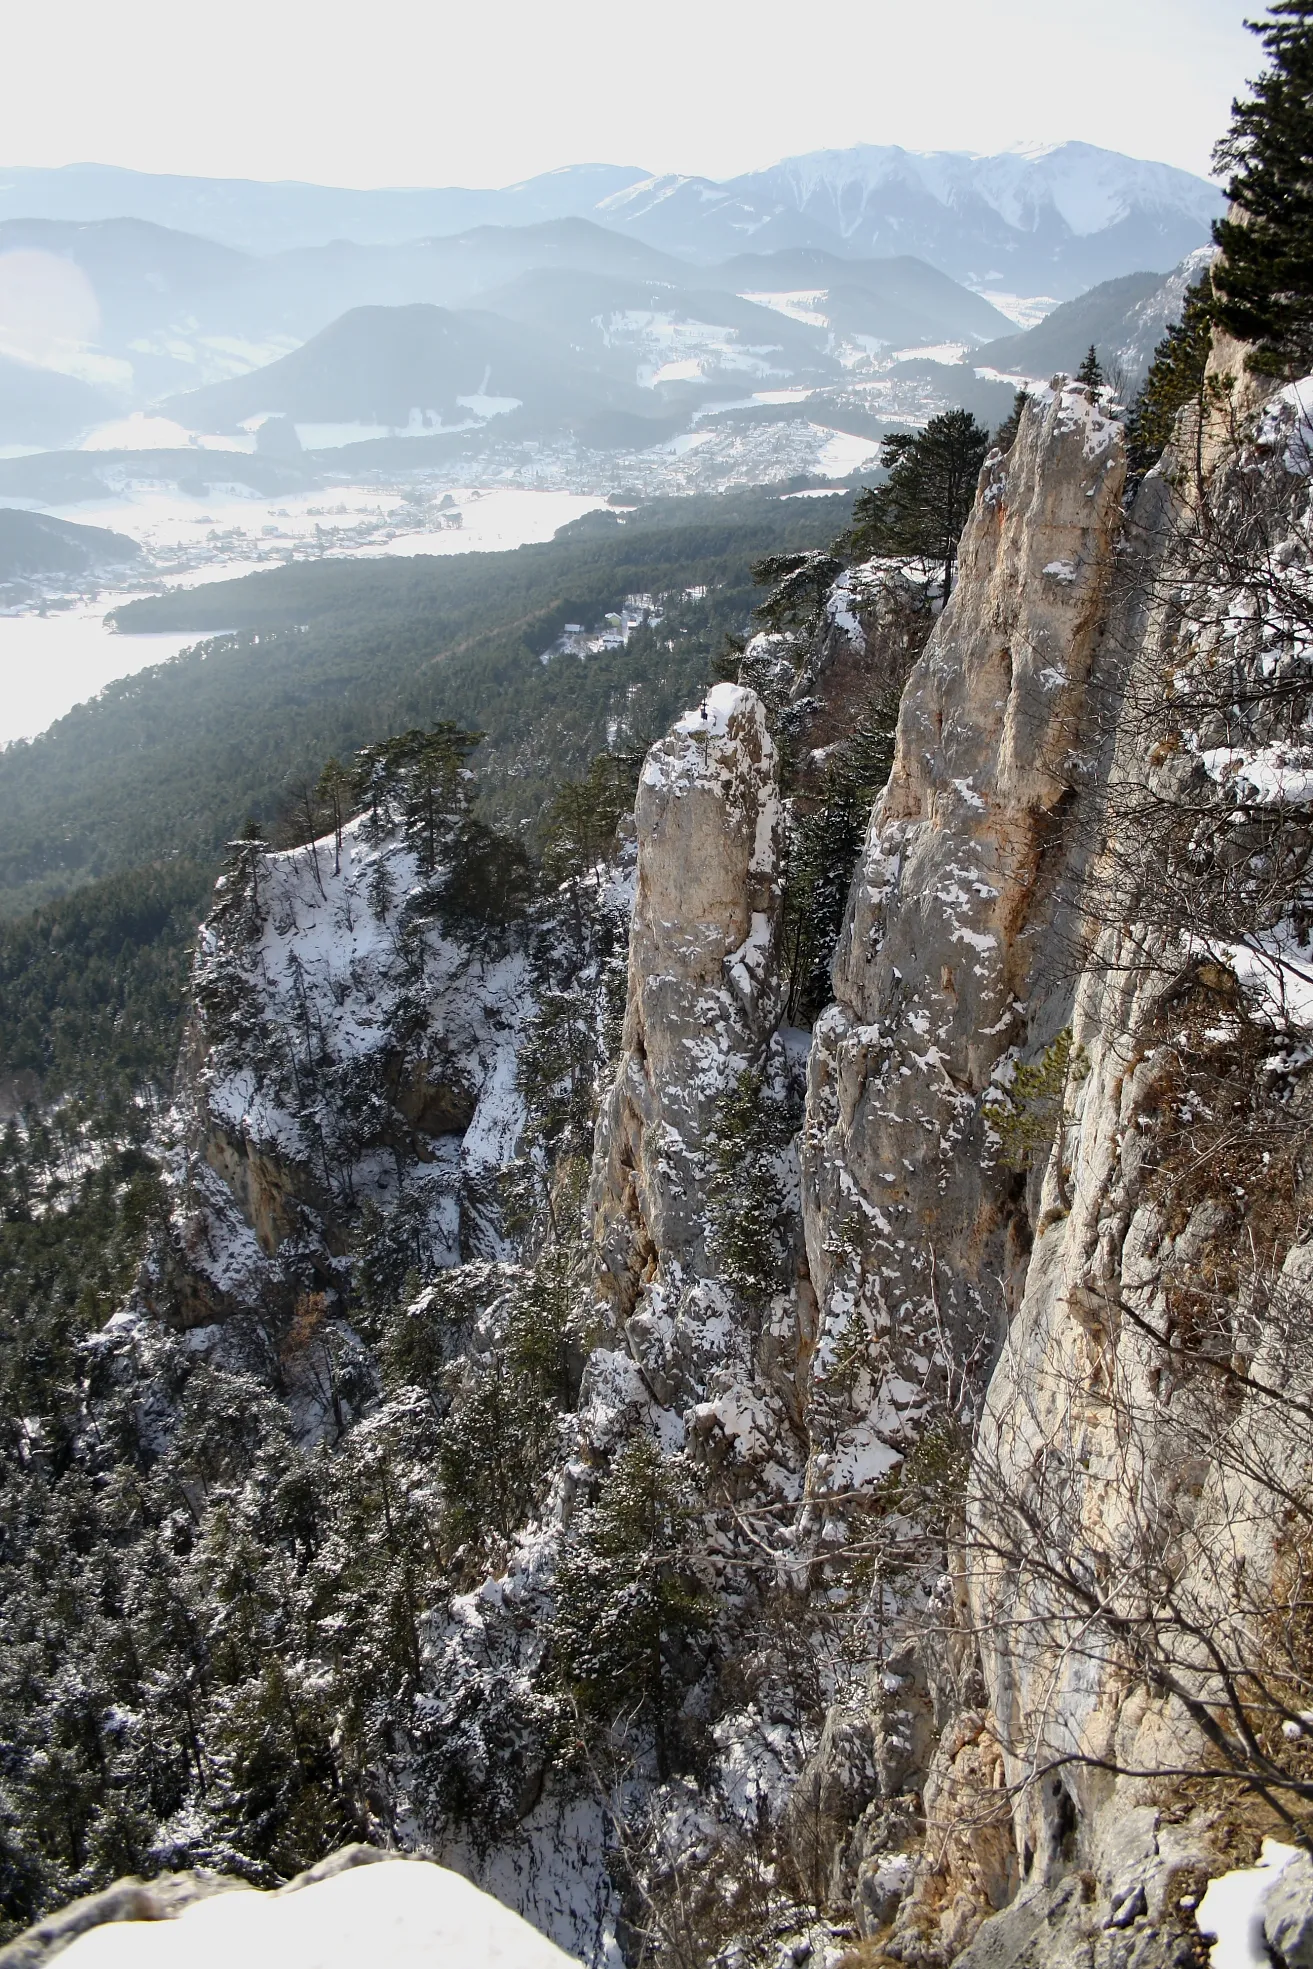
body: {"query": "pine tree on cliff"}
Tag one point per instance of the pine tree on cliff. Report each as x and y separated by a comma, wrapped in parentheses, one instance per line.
(1091, 370)
(1006, 434)
(799, 584)
(827, 838)
(627, 1599)
(1175, 378)
(1264, 280)
(921, 509)
(745, 1201)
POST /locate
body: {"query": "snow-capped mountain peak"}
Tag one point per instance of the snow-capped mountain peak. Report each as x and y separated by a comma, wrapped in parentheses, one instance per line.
(1058, 216)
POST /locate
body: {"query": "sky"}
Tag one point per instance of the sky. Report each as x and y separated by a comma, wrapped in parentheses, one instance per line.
(485, 92)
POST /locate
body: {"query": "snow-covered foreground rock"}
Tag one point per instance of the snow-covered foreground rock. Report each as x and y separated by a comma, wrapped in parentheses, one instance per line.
(398, 1914)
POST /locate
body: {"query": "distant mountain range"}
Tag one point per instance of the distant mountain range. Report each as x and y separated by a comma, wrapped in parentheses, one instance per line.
(424, 368)
(1050, 220)
(1053, 219)
(259, 217)
(570, 320)
(848, 290)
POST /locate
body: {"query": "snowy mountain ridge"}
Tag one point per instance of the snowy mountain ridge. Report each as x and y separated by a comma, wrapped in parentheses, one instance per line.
(1089, 187)
(1064, 214)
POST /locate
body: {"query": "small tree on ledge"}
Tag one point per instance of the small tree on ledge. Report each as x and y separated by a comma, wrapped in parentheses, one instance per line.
(1091, 371)
(921, 509)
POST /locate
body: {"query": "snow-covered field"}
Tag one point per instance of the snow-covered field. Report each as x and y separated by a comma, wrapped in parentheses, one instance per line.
(50, 662)
(204, 536)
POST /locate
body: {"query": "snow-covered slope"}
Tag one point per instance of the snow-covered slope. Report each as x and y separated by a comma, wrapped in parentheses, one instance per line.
(344, 1050)
(1123, 319)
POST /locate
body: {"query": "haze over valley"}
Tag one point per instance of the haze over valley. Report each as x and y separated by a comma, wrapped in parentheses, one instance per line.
(229, 373)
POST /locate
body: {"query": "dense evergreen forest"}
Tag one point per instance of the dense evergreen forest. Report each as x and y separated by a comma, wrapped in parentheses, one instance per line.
(332, 656)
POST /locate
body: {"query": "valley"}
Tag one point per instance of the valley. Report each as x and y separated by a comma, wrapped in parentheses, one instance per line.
(231, 397)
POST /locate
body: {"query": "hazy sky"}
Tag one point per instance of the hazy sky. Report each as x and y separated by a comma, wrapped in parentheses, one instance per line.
(482, 92)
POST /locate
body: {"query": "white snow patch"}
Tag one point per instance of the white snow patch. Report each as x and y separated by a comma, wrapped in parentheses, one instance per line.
(800, 304)
(946, 352)
(711, 719)
(842, 454)
(485, 406)
(142, 432)
(1027, 310)
(408, 1914)
(1288, 418)
(1231, 1911)
(862, 1458)
(1272, 777)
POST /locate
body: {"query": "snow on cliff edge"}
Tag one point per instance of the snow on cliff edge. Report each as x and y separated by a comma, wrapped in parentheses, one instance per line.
(408, 1914)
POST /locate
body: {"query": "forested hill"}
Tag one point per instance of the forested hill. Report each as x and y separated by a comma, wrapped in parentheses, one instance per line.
(330, 657)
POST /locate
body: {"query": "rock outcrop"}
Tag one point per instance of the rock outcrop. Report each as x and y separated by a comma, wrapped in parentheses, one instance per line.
(342, 1051)
(704, 988)
(913, 1230)
(1142, 1467)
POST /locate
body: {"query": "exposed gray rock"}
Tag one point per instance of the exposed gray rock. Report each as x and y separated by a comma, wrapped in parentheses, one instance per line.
(704, 990)
(837, 1783)
(1288, 1913)
(911, 1223)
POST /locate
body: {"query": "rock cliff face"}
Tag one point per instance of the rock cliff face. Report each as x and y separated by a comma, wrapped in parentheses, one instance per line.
(938, 1284)
(909, 1239)
(1145, 1432)
(975, 1216)
(704, 988)
(915, 1236)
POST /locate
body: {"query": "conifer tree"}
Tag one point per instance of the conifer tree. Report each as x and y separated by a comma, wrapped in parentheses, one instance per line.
(745, 1200)
(921, 509)
(1006, 434)
(486, 886)
(1091, 370)
(420, 773)
(1264, 280)
(334, 791)
(799, 584)
(626, 1599)
(580, 834)
(825, 846)
(495, 1447)
(1175, 378)
(583, 817)
(239, 898)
